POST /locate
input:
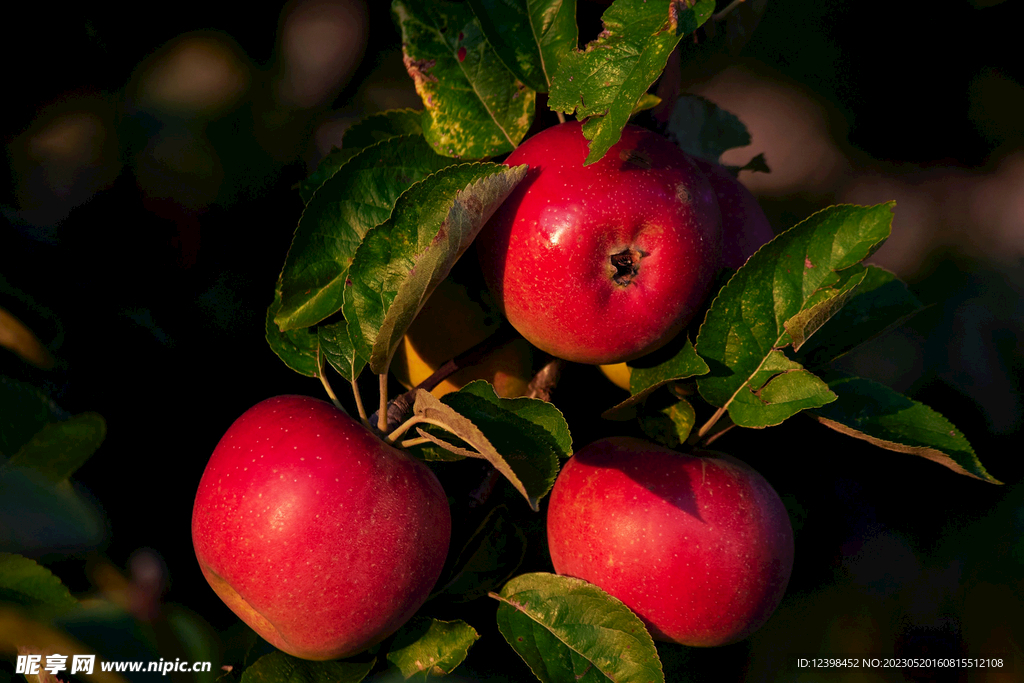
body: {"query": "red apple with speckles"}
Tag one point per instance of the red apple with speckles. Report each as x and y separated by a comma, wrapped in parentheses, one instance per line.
(606, 262)
(701, 548)
(320, 536)
(745, 228)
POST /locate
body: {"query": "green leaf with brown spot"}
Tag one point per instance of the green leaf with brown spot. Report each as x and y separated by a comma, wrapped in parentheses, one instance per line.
(474, 107)
(606, 81)
(427, 648)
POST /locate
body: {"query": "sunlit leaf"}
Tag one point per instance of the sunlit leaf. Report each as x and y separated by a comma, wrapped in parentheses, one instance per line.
(425, 648)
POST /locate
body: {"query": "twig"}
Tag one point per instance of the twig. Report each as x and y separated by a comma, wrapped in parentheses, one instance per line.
(544, 382)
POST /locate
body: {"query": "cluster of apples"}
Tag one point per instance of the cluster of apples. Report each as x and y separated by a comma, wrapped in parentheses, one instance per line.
(325, 539)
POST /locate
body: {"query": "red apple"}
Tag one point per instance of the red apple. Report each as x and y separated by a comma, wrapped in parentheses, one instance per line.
(745, 228)
(320, 536)
(606, 262)
(701, 548)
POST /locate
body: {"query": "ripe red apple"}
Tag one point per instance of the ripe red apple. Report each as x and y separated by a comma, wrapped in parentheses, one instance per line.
(745, 228)
(701, 548)
(606, 262)
(320, 536)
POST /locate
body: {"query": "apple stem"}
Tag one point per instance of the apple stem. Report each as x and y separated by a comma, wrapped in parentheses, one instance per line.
(382, 411)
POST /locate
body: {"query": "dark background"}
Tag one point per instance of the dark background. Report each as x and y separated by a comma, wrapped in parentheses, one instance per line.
(146, 255)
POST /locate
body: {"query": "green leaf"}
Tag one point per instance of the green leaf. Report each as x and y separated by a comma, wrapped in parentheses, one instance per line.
(400, 262)
(369, 131)
(37, 516)
(277, 667)
(424, 648)
(644, 381)
(490, 557)
(474, 107)
(539, 413)
(570, 631)
(359, 196)
(60, 448)
(702, 129)
(26, 583)
(821, 307)
(530, 36)
(521, 451)
(606, 80)
(796, 278)
(670, 426)
(337, 349)
(298, 349)
(880, 302)
(24, 410)
(877, 414)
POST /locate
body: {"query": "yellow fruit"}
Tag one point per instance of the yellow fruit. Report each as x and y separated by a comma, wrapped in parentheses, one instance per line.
(450, 323)
(618, 373)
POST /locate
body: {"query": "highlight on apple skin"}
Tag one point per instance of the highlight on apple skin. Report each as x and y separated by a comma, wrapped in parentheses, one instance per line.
(316, 533)
(701, 548)
(602, 263)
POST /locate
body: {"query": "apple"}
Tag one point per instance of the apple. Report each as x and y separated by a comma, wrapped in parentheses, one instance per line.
(451, 322)
(700, 548)
(602, 263)
(745, 228)
(320, 536)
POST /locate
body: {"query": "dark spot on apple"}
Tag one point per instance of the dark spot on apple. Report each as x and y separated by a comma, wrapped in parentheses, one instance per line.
(683, 194)
(626, 264)
(636, 157)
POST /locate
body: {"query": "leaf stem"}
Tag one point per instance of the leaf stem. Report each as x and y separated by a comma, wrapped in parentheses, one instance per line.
(409, 443)
(561, 116)
(706, 427)
(714, 437)
(727, 10)
(382, 412)
(329, 390)
(403, 428)
(360, 408)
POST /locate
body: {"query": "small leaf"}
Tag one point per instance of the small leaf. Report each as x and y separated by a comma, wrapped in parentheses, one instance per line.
(359, 196)
(24, 410)
(568, 631)
(880, 302)
(643, 381)
(298, 349)
(670, 426)
(529, 36)
(490, 557)
(277, 667)
(369, 131)
(540, 413)
(532, 472)
(799, 273)
(820, 308)
(877, 414)
(401, 261)
(606, 81)
(336, 348)
(26, 583)
(424, 648)
(38, 517)
(702, 129)
(60, 448)
(474, 107)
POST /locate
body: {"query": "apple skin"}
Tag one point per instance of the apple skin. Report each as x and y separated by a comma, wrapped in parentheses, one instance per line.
(547, 253)
(701, 548)
(452, 322)
(745, 228)
(320, 536)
